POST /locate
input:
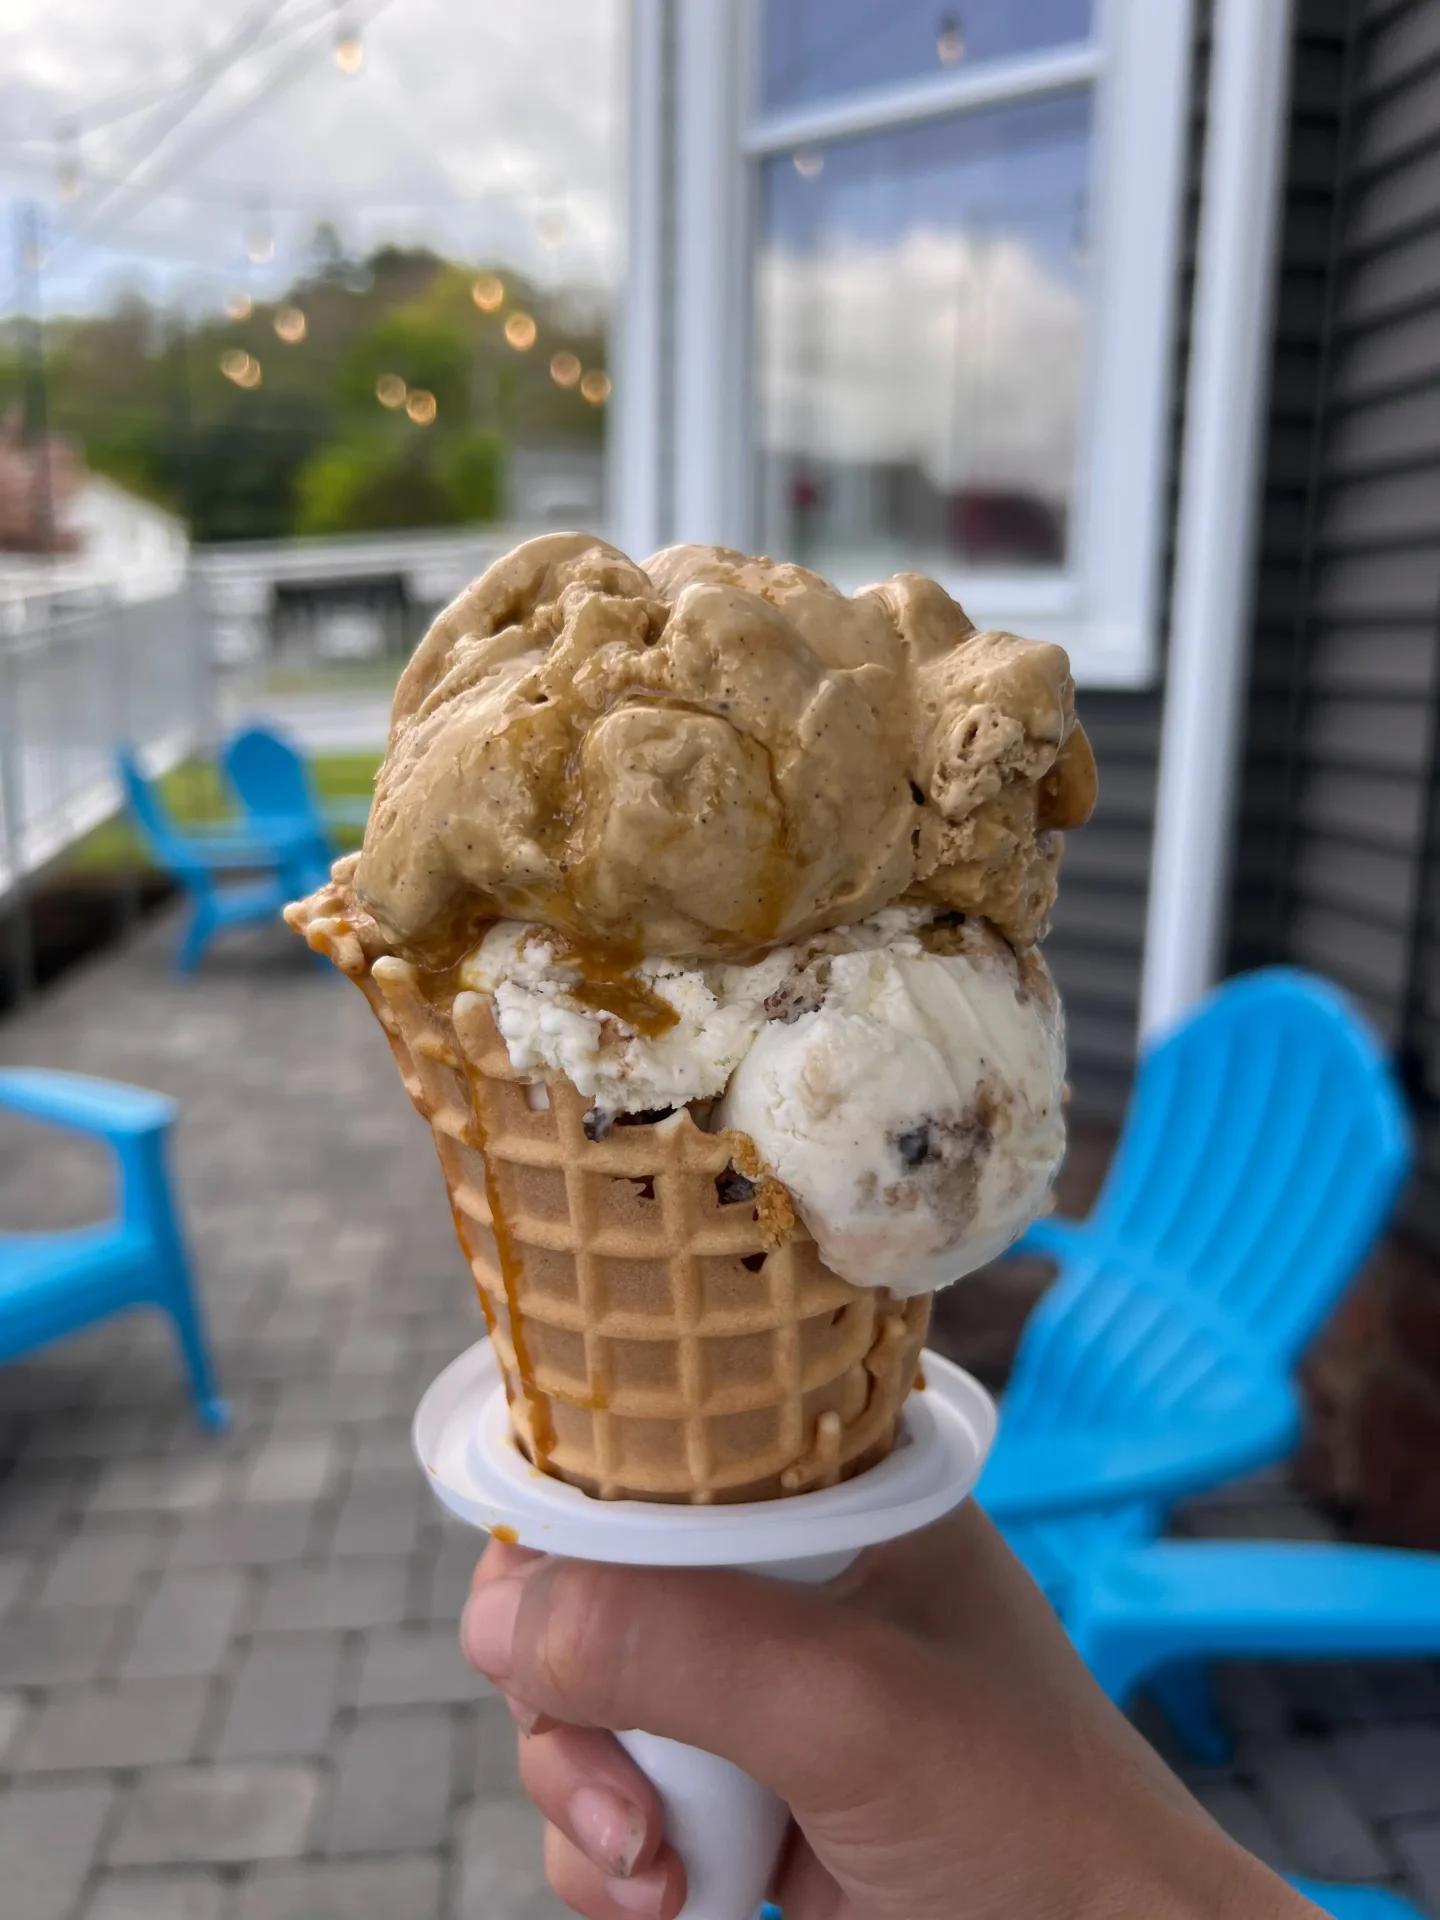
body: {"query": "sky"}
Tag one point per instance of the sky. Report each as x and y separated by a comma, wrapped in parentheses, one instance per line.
(215, 131)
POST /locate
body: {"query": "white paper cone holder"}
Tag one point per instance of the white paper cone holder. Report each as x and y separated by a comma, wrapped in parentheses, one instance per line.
(725, 1826)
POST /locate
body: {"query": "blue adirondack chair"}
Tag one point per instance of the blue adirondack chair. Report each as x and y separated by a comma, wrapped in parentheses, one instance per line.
(1141, 1610)
(1356, 1903)
(1263, 1149)
(52, 1284)
(210, 865)
(273, 783)
(1341, 1903)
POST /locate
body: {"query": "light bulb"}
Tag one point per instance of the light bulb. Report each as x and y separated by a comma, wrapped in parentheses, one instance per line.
(596, 387)
(950, 42)
(488, 292)
(390, 390)
(421, 406)
(241, 367)
(349, 52)
(564, 369)
(239, 306)
(809, 164)
(520, 331)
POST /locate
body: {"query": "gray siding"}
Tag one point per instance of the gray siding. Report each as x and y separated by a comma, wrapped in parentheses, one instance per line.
(1096, 945)
(1336, 849)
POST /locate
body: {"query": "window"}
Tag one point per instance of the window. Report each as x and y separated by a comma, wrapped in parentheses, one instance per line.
(813, 50)
(919, 340)
(920, 266)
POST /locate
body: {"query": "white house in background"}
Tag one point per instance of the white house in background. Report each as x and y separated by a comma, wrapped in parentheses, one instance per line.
(122, 545)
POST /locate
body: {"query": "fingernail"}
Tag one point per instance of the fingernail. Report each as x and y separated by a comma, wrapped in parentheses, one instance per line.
(607, 1828)
(528, 1719)
(645, 1894)
(488, 1629)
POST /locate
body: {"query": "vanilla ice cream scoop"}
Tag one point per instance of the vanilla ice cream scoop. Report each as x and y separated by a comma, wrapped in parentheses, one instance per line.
(911, 1104)
(902, 1077)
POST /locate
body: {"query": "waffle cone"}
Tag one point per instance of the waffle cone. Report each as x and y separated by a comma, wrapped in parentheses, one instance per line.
(665, 1325)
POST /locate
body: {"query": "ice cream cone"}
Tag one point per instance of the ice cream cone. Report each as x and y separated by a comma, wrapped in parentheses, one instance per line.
(665, 1325)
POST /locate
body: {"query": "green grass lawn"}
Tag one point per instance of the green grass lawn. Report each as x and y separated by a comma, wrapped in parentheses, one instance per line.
(194, 794)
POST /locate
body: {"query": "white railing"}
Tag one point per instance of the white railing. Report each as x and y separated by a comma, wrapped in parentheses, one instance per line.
(78, 680)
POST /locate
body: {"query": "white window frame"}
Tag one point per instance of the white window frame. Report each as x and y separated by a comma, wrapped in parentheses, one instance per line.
(1104, 605)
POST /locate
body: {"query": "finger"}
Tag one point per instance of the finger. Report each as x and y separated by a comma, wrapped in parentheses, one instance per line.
(723, 1661)
(803, 1889)
(527, 1718)
(500, 1558)
(584, 1784)
(656, 1894)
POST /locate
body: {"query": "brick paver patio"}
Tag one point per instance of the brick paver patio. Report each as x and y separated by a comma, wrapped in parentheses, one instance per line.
(229, 1683)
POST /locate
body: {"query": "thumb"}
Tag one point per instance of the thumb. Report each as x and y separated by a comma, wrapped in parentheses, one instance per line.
(787, 1682)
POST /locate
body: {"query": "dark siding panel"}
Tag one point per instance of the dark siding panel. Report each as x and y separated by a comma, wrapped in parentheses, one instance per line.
(1273, 776)
(1337, 867)
(1389, 434)
(1410, 120)
(1359, 660)
(1408, 41)
(1402, 278)
(1391, 206)
(1384, 509)
(1097, 941)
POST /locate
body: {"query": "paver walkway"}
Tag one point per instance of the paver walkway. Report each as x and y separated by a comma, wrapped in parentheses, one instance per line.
(229, 1683)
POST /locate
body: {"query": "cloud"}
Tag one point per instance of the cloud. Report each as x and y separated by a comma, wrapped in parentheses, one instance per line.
(470, 120)
(961, 355)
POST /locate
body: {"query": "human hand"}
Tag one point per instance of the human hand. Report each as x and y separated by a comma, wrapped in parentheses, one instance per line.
(944, 1752)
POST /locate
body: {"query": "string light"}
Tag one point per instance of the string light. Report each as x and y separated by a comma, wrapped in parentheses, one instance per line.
(349, 52)
(390, 390)
(68, 169)
(241, 367)
(290, 325)
(596, 387)
(239, 306)
(260, 242)
(520, 331)
(551, 228)
(809, 163)
(488, 292)
(950, 42)
(421, 406)
(564, 369)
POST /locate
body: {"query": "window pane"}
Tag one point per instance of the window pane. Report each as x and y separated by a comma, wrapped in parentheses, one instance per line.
(813, 49)
(920, 330)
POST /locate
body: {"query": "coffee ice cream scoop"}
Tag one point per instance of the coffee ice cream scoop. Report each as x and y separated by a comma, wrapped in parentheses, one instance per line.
(713, 755)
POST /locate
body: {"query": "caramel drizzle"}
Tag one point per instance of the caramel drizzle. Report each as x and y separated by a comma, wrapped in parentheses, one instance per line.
(609, 984)
(440, 989)
(542, 1427)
